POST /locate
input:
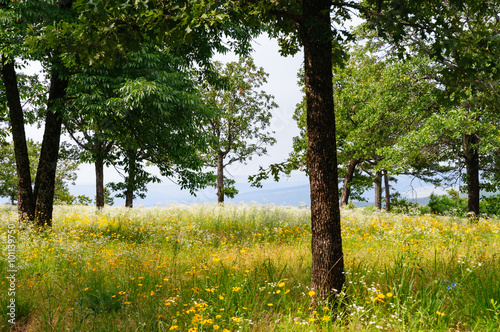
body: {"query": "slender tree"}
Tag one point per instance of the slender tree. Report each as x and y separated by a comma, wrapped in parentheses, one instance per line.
(243, 113)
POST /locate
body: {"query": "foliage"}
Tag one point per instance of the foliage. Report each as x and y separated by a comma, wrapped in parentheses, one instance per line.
(450, 204)
(490, 205)
(246, 267)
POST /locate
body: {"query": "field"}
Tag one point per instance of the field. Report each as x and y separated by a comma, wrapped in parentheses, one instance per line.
(247, 268)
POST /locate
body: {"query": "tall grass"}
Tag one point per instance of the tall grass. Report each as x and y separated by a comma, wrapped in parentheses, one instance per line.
(247, 268)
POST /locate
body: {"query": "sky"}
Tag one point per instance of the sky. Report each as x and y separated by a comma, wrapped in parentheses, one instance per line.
(282, 84)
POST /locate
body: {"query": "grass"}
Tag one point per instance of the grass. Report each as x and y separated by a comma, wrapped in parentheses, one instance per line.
(247, 268)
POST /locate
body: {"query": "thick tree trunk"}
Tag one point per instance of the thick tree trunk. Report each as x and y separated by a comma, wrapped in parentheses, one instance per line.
(327, 272)
(387, 192)
(471, 147)
(378, 190)
(220, 178)
(99, 183)
(25, 199)
(129, 198)
(49, 154)
(346, 189)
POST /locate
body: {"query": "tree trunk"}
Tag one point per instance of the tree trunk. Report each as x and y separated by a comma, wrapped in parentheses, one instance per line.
(387, 192)
(130, 180)
(220, 178)
(47, 165)
(346, 189)
(378, 190)
(129, 198)
(327, 274)
(471, 146)
(25, 199)
(99, 183)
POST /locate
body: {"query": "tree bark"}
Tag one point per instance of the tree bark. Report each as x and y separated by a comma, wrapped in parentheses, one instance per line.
(49, 154)
(25, 199)
(130, 181)
(327, 274)
(129, 198)
(387, 192)
(346, 189)
(471, 145)
(220, 178)
(378, 190)
(99, 183)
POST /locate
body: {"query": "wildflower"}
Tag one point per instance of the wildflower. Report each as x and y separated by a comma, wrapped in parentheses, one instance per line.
(281, 284)
(236, 319)
(221, 297)
(269, 304)
(388, 294)
(236, 289)
(173, 327)
(440, 313)
(216, 327)
(311, 293)
(326, 318)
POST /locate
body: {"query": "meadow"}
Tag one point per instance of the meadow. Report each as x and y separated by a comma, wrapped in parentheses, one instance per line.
(247, 268)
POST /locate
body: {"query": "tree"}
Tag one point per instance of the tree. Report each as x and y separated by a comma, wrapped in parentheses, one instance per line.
(308, 24)
(460, 37)
(238, 130)
(379, 99)
(18, 21)
(85, 130)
